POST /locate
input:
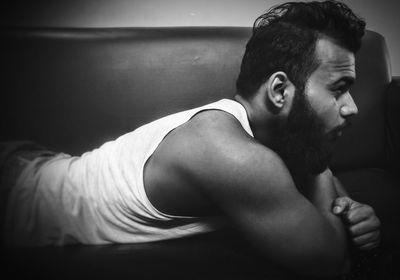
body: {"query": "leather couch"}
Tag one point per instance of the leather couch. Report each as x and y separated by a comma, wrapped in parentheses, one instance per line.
(73, 89)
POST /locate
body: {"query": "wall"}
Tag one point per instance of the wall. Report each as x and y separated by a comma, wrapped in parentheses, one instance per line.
(381, 16)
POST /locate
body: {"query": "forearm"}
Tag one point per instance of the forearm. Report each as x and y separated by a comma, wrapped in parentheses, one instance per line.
(321, 191)
(341, 191)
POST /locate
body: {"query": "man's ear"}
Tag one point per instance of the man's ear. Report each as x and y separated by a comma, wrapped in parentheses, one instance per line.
(279, 90)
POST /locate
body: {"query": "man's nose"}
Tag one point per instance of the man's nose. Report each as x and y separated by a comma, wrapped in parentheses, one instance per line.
(349, 107)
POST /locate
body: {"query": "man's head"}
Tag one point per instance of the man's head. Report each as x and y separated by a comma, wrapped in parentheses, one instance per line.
(284, 39)
(307, 49)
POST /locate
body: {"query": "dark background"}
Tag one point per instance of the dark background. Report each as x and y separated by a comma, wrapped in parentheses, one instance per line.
(381, 16)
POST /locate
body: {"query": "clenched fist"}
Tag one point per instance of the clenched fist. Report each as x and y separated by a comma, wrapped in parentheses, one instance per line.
(362, 223)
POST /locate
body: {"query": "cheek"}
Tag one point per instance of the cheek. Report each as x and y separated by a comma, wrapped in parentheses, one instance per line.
(328, 112)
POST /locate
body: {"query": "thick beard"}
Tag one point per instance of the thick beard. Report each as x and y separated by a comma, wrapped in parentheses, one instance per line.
(301, 140)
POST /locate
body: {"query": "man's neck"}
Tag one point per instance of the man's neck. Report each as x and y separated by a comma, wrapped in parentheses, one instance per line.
(259, 119)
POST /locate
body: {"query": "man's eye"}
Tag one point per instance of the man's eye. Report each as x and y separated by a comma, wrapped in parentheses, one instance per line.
(341, 90)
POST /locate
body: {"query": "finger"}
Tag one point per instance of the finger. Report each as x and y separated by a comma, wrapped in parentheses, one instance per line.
(369, 246)
(341, 205)
(370, 237)
(364, 227)
(360, 213)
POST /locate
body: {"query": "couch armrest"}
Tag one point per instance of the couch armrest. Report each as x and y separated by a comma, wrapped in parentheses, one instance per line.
(393, 123)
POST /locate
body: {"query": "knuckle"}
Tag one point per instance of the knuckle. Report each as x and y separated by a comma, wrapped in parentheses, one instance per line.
(375, 223)
(368, 209)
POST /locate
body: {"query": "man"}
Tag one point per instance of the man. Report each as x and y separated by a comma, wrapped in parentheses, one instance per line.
(259, 162)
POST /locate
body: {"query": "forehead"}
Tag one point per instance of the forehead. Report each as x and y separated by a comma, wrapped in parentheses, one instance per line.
(335, 62)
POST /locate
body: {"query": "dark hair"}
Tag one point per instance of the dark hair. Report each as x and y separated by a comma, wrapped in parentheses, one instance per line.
(284, 39)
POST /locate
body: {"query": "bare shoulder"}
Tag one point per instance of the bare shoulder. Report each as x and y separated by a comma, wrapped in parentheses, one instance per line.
(210, 164)
(216, 152)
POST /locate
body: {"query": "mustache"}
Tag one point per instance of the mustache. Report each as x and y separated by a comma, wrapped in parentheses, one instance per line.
(345, 125)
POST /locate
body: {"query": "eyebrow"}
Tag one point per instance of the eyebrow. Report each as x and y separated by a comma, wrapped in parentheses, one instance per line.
(347, 79)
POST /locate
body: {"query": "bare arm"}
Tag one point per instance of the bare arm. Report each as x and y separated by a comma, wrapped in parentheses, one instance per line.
(254, 189)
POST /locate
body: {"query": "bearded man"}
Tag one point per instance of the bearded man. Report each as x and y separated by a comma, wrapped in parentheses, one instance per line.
(258, 162)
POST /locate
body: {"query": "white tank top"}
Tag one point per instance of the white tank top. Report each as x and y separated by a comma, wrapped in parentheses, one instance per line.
(99, 197)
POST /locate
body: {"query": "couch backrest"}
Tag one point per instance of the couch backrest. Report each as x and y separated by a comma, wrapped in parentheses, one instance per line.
(73, 89)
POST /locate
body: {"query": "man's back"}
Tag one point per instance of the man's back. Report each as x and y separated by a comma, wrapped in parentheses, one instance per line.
(100, 196)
